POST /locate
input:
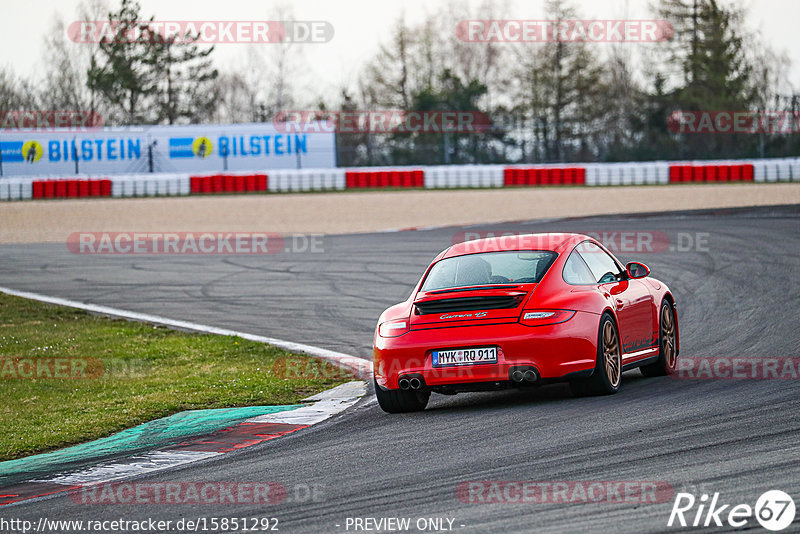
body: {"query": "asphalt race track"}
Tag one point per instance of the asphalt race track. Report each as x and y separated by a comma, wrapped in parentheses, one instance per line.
(737, 294)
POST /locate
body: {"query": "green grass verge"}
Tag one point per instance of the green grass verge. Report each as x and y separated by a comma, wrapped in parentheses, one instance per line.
(120, 374)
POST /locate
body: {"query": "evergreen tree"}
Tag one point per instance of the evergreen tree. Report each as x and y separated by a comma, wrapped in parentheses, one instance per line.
(185, 74)
(123, 73)
(147, 77)
(713, 73)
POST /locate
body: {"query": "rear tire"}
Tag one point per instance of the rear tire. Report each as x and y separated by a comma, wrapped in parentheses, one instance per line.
(607, 375)
(667, 344)
(399, 401)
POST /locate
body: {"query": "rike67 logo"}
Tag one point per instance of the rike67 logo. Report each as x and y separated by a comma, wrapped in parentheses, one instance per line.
(774, 510)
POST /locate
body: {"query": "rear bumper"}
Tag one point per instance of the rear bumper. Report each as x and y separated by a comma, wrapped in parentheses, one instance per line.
(554, 350)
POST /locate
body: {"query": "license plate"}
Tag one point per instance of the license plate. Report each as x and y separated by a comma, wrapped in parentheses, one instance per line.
(443, 358)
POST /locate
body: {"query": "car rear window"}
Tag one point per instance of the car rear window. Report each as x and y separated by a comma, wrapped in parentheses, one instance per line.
(490, 268)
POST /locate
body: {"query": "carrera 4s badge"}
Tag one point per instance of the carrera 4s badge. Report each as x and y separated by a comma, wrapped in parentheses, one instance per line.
(463, 315)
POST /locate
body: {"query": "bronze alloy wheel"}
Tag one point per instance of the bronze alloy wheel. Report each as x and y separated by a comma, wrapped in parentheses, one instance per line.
(606, 376)
(611, 352)
(668, 336)
(667, 344)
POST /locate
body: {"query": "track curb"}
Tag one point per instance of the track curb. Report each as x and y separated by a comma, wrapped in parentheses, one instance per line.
(252, 431)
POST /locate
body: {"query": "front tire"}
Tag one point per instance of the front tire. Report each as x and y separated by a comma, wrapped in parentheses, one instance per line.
(399, 401)
(667, 344)
(607, 375)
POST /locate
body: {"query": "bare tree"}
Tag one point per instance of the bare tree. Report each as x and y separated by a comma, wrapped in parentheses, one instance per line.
(265, 80)
(236, 99)
(389, 74)
(16, 93)
(66, 63)
(560, 90)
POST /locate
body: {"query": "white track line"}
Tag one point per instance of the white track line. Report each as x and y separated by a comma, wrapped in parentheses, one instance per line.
(362, 368)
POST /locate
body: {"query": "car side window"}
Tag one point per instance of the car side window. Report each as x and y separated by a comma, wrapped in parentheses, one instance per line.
(576, 272)
(603, 267)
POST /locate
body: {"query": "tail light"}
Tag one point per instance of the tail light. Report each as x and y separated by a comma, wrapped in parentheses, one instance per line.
(545, 317)
(393, 328)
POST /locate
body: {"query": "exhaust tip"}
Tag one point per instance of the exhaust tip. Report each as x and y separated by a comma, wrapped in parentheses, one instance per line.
(524, 374)
(404, 384)
(415, 383)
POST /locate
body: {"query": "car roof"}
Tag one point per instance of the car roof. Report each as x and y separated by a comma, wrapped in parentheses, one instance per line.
(552, 242)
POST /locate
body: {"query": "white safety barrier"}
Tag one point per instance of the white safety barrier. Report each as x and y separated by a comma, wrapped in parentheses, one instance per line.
(306, 180)
(16, 189)
(454, 176)
(645, 173)
(777, 170)
(150, 185)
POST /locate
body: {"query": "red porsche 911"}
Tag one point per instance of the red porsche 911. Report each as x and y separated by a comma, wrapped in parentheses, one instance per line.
(520, 311)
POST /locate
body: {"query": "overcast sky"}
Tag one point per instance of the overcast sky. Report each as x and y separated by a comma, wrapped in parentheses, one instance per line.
(360, 25)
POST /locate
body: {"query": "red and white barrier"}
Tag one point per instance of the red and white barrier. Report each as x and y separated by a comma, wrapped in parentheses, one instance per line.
(429, 177)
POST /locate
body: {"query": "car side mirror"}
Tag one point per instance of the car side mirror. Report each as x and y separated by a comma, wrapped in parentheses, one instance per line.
(637, 270)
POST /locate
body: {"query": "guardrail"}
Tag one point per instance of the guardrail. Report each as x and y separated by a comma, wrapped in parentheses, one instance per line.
(434, 177)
